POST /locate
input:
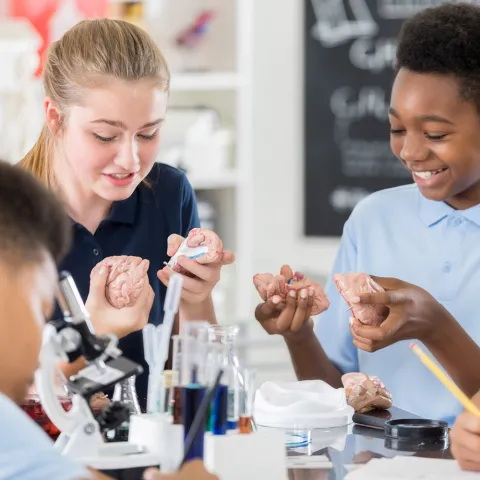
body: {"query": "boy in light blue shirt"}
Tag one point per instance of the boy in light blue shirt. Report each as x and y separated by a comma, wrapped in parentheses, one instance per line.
(34, 235)
(427, 233)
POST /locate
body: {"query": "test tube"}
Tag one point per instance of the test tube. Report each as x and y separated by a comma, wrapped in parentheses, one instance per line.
(217, 418)
(245, 423)
(166, 392)
(175, 400)
(192, 398)
(189, 369)
(231, 380)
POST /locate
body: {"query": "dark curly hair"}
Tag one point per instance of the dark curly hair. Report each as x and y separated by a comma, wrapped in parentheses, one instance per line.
(444, 40)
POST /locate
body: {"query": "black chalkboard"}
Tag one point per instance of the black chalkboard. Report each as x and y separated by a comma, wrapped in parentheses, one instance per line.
(349, 69)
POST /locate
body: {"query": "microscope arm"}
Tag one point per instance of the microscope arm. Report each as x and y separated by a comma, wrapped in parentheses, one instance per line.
(50, 354)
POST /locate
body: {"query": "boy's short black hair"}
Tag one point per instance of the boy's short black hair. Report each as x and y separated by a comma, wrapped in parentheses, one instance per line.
(444, 40)
(32, 221)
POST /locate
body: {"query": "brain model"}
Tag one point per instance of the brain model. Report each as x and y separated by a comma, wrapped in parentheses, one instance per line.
(352, 285)
(126, 278)
(269, 285)
(365, 393)
(202, 244)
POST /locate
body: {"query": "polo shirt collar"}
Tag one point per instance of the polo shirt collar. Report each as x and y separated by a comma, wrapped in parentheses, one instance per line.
(432, 212)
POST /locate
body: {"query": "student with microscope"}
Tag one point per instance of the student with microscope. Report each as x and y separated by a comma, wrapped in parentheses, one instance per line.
(34, 236)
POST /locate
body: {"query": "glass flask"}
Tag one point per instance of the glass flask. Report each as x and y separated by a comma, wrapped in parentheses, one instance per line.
(125, 393)
(226, 336)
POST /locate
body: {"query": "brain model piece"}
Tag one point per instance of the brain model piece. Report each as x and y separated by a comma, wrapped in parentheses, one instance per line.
(202, 244)
(126, 277)
(365, 393)
(269, 285)
(352, 285)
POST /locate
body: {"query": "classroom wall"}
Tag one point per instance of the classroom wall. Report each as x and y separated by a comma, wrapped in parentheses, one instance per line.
(278, 171)
(278, 143)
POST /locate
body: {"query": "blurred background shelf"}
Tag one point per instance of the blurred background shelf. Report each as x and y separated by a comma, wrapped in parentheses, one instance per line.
(203, 81)
(214, 181)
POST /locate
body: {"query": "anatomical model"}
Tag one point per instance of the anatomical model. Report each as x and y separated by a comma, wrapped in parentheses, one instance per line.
(126, 278)
(269, 285)
(201, 244)
(352, 285)
(365, 393)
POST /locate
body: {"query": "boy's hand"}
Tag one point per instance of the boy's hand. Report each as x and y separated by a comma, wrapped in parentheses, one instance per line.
(290, 317)
(465, 440)
(413, 314)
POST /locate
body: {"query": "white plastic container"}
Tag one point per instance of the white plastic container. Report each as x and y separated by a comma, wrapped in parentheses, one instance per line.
(160, 437)
(301, 405)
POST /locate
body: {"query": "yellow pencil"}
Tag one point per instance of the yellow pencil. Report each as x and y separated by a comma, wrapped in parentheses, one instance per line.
(456, 392)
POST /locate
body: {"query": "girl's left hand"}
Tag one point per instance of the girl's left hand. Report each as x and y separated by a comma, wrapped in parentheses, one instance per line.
(198, 279)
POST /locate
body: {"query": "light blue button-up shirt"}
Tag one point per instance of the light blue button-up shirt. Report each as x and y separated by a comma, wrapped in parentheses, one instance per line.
(399, 233)
(26, 453)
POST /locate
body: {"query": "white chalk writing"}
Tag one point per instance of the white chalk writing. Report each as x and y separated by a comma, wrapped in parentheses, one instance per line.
(333, 27)
(370, 101)
(361, 157)
(373, 54)
(344, 199)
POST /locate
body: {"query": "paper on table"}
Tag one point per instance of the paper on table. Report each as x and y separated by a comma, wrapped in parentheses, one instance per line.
(414, 468)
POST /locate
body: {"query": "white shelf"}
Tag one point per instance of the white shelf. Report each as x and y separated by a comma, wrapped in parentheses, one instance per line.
(205, 81)
(213, 182)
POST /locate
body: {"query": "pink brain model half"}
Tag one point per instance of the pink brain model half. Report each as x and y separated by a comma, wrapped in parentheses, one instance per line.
(202, 236)
(126, 278)
(366, 393)
(269, 285)
(352, 285)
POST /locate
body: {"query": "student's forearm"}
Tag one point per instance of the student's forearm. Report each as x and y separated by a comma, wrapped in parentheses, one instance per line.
(310, 361)
(458, 354)
(199, 311)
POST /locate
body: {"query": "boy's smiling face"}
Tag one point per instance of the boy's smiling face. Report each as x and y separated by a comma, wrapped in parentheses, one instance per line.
(435, 133)
(27, 296)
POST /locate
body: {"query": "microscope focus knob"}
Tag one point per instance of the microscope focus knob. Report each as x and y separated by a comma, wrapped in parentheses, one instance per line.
(112, 416)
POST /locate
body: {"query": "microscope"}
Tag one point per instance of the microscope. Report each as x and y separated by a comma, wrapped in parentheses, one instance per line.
(67, 339)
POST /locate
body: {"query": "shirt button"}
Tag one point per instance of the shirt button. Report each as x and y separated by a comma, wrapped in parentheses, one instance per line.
(95, 251)
(447, 267)
(456, 221)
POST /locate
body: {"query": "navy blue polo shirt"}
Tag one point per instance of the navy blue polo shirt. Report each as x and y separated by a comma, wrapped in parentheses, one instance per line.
(139, 226)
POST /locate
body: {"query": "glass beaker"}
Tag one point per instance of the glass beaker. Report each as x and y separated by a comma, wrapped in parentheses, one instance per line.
(197, 329)
(226, 335)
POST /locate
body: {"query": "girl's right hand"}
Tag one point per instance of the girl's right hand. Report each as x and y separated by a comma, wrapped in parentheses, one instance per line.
(106, 319)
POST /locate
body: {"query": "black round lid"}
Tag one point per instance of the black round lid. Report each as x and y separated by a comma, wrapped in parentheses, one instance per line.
(416, 429)
(417, 445)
